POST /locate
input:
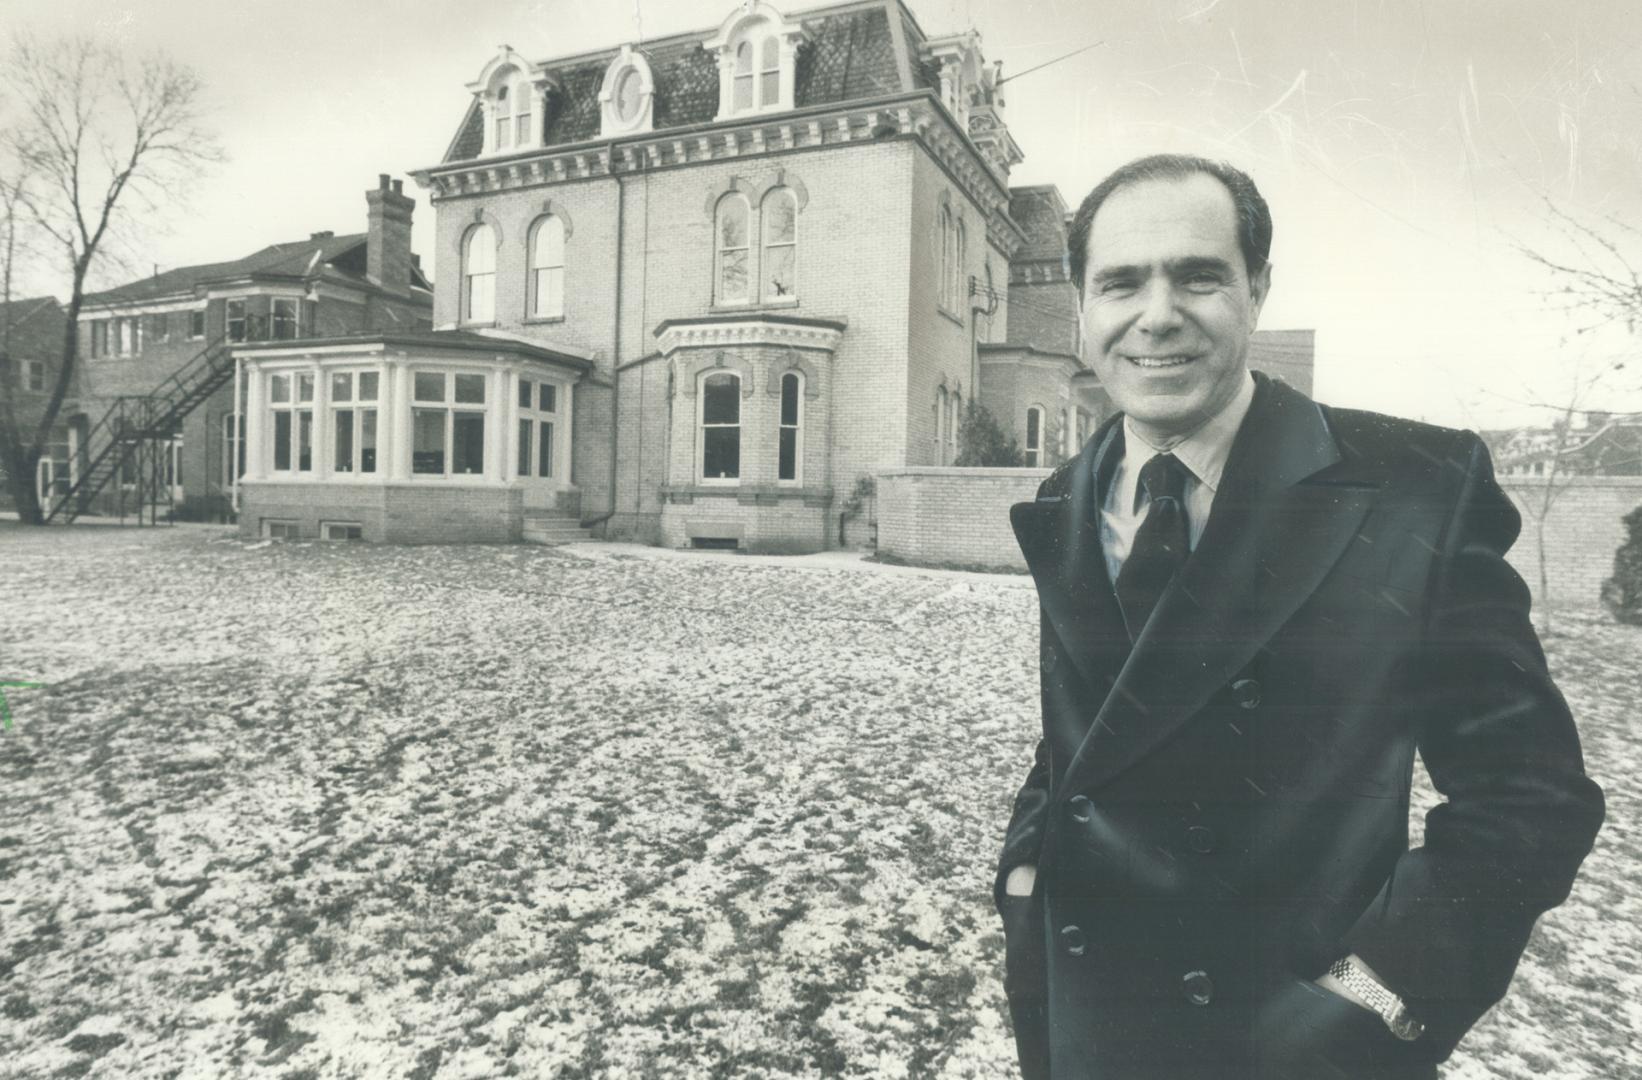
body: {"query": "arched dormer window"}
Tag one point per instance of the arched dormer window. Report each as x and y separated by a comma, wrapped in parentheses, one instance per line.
(512, 94)
(778, 222)
(479, 275)
(627, 96)
(756, 49)
(730, 258)
(547, 268)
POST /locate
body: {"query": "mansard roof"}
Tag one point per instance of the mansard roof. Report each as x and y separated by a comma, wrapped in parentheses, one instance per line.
(1041, 214)
(848, 55)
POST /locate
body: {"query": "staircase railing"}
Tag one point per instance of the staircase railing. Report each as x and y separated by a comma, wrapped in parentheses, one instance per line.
(136, 423)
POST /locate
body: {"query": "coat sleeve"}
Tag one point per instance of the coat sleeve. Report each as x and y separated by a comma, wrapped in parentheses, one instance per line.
(1024, 836)
(1449, 925)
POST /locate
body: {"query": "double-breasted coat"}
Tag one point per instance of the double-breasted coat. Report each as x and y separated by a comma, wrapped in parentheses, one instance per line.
(1219, 809)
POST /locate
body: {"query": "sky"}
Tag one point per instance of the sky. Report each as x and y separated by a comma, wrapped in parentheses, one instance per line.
(1408, 149)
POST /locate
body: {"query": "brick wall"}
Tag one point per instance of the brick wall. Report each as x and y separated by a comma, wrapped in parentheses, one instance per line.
(946, 515)
(1582, 531)
(389, 513)
(932, 515)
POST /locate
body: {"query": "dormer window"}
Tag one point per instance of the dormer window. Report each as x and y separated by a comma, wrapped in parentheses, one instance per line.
(512, 94)
(627, 96)
(756, 49)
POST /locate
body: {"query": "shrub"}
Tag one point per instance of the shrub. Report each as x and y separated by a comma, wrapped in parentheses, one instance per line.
(981, 441)
(1622, 593)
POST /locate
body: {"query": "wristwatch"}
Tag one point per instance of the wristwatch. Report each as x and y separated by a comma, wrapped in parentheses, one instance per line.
(1383, 1001)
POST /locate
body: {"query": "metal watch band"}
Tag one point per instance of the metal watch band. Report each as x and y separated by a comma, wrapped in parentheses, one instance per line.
(1380, 998)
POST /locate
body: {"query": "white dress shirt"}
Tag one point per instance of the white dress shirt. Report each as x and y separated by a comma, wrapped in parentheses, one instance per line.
(1203, 452)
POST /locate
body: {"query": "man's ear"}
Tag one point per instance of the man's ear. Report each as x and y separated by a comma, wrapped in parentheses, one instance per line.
(1259, 289)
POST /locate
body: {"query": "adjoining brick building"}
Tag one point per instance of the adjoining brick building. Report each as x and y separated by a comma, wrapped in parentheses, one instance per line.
(748, 268)
(136, 339)
(31, 347)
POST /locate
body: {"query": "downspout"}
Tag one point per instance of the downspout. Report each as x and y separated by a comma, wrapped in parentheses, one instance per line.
(235, 449)
(615, 347)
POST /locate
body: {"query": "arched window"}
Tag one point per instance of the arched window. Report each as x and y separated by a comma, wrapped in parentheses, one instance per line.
(952, 425)
(730, 280)
(522, 114)
(940, 426)
(720, 399)
(744, 76)
(1065, 435)
(946, 258)
(769, 73)
(547, 268)
(790, 448)
(779, 222)
(501, 115)
(1034, 436)
(479, 275)
(960, 283)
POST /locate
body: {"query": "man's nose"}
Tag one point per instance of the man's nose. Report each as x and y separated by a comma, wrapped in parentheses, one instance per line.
(1161, 314)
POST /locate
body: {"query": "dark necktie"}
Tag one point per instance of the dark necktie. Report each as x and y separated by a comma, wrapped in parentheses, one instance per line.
(1161, 544)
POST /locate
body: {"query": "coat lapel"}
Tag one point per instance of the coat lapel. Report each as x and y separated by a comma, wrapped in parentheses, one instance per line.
(1279, 523)
(1059, 534)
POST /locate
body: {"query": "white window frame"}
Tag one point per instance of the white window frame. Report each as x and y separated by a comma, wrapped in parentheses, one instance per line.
(274, 318)
(450, 406)
(940, 425)
(1033, 449)
(281, 529)
(766, 287)
(358, 406)
(701, 429)
(233, 448)
(244, 319)
(550, 226)
(719, 249)
(470, 244)
(797, 478)
(200, 314)
(759, 26)
(539, 418)
(296, 407)
(32, 372)
(326, 527)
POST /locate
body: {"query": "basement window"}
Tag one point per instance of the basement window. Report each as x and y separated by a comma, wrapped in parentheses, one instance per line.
(273, 529)
(715, 543)
(341, 530)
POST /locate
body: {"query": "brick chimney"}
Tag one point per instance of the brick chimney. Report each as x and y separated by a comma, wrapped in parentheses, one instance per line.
(388, 245)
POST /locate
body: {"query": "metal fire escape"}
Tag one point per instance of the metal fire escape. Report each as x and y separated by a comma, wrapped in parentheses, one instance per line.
(132, 441)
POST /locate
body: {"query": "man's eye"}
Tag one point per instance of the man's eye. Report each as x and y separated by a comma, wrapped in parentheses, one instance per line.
(1202, 281)
(1117, 287)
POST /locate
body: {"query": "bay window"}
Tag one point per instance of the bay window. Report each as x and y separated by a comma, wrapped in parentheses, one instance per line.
(538, 414)
(353, 405)
(291, 421)
(720, 427)
(789, 446)
(447, 423)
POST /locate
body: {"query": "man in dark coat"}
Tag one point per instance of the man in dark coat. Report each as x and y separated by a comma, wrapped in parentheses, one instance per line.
(1254, 609)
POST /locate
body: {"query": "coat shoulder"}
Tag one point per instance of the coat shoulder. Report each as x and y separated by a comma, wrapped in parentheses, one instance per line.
(1402, 452)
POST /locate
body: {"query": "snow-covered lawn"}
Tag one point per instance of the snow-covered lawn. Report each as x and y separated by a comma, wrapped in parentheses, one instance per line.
(317, 810)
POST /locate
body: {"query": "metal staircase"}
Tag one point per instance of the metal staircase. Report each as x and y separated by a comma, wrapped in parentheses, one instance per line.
(131, 439)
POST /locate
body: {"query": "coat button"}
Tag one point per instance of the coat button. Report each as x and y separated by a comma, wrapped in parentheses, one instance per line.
(1199, 987)
(1080, 808)
(1246, 692)
(1072, 938)
(1200, 838)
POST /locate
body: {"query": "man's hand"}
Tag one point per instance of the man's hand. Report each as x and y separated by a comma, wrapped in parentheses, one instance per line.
(1020, 880)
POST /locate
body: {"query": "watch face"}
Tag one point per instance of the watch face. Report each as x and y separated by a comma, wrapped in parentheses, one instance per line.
(1407, 1028)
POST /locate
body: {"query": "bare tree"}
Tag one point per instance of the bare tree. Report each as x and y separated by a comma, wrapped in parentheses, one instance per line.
(96, 137)
(1600, 287)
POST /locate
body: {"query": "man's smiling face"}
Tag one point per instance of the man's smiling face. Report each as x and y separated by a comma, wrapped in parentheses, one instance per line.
(1168, 304)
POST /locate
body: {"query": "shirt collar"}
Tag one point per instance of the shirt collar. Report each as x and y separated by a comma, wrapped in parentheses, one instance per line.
(1203, 452)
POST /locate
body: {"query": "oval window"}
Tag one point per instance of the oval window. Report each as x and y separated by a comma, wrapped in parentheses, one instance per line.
(628, 89)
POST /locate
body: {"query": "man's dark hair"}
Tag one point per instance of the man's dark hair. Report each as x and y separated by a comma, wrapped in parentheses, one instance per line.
(1253, 215)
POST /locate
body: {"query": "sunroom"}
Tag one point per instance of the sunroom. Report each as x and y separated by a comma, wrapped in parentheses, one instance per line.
(415, 437)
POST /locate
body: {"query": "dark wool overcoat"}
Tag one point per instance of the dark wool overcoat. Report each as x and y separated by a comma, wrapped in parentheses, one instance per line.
(1219, 809)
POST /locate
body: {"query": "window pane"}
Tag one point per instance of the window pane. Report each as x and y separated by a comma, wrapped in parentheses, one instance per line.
(481, 250)
(367, 440)
(367, 385)
(428, 441)
(305, 440)
(721, 400)
(780, 217)
(549, 246)
(341, 386)
(282, 440)
(744, 58)
(778, 272)
(482, 298)
(544, 450)
(549, 399)
(732, 223)
(284, 320)
(772, 55)
(743, 92)
(279, 388)
(732, 275)
(342, 441)
(769, 87)
(525, 427)
(429, 386)
(548, 295)
(627, 94)
(304, 387)
(524, 393)
(1032, 429)
(789, 454)
(721, 453)
(468, 451)
(470, 389)
(196, 324)
(789, 399)
(521, 134)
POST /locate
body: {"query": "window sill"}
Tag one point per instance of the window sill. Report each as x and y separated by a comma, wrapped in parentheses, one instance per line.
(949, 314)
(543, 320)
(767, 305)
(490, 325)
